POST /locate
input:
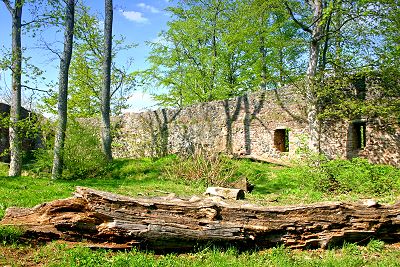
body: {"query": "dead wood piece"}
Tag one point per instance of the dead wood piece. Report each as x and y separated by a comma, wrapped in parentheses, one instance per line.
(225, 193)
(165, 223)
(243, 184)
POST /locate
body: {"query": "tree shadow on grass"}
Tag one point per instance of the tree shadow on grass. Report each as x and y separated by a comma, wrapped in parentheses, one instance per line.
(275, 184)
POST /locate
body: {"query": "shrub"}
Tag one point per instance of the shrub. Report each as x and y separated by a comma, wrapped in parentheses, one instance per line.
(83, 157)
(356, 175)
(207, 169)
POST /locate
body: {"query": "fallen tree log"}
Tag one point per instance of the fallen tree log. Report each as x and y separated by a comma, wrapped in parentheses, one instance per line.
(173, 223)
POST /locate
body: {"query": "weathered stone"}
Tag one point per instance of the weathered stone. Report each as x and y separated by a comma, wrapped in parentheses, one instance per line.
(269, 125)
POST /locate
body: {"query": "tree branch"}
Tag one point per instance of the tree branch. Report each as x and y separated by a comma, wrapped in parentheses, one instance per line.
(302, 26)
(340, 27)
(52, 50)
(8, 5)
(120, 83)
(45, 18)
(34, 89)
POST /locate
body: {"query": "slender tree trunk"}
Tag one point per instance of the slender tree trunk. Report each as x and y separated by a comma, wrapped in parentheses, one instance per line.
(214, 55)
(63, 90)
(312, 112)
(263, 52)
(105, 96)
(15, 113)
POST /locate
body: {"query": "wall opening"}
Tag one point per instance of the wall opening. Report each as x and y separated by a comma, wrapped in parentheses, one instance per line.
(359, 136)
(281, 140)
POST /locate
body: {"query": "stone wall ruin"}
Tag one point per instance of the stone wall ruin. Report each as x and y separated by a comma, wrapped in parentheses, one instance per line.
(270, 125)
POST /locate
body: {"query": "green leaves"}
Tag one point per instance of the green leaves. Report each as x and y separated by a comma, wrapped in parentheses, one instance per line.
(85, 75)
(220, 49)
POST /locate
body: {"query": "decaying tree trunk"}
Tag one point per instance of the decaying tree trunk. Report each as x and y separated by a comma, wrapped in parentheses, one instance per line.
(171, 223)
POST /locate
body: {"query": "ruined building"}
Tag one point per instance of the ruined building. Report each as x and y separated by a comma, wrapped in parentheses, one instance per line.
(268, 124)
(29, 142)
(271, 125)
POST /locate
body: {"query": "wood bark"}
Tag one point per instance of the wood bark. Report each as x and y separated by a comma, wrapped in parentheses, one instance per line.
(312, 102)
(63, 90)
(225, 193)
(15, 112)
(108, 220)
(316, 33)
(105, 96)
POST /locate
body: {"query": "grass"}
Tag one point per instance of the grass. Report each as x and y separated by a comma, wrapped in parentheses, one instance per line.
(275, 185)
(64, 254)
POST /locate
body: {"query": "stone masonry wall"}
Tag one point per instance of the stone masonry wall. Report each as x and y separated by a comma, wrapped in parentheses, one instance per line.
(250, 125)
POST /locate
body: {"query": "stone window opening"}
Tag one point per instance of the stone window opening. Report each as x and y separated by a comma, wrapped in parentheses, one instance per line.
(359, 134)
(281, 140)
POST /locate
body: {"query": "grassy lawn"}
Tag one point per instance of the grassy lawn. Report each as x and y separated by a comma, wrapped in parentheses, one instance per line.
(275, 185)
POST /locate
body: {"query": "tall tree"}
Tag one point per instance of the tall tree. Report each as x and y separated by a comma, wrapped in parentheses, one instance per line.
(63, 89)
(196, 59)
(86, 74)
(105, 95)
(316, 32)
(219, 49)
(15, 114)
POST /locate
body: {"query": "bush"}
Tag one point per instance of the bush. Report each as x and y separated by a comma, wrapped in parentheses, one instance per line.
(356, 175)
(206, 169)
(83, 157)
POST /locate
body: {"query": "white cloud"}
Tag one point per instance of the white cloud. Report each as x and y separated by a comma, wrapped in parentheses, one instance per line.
(161, 40)
(134, 16)
(140, 101)
(148, 7)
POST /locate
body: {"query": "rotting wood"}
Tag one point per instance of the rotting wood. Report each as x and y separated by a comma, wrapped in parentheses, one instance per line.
(171, 223)
(225, 193)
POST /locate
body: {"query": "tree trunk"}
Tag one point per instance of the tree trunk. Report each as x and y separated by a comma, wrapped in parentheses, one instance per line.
(15, 112)
(263, 51)
(110, 220)
(105, 96)
(312, 101)
(63, 90)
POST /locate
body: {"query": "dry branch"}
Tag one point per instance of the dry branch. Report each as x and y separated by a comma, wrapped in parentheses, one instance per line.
(173, 223)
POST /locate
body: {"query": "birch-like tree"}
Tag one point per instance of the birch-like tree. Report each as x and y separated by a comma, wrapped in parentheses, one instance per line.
(63, 89)
(105, 95)
(16, 62)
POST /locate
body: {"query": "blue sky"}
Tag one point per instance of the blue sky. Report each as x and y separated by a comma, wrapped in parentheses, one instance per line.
(137, 20)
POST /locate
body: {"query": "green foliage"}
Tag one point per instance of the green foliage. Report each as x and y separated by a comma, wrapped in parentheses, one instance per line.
(356, 176)
(30, 130)
(83, 157)
(364, 94)
(222, 49)
(375, 246)
(10, 234)
(225, 48)
(85, 74)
